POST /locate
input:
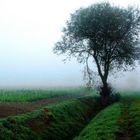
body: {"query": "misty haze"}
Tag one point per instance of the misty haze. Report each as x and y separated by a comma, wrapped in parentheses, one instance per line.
(70, 70)
(27, 38)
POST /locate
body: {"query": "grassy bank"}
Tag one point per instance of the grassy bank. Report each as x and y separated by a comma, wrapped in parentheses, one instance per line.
(119, 121)
(129, 120)
(104, 126)
(56, 122)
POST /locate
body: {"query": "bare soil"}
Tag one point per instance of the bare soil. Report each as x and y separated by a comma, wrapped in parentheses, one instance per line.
(14, 108)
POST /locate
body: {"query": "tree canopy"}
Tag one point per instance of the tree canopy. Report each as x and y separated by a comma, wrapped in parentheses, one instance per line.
(107, 34)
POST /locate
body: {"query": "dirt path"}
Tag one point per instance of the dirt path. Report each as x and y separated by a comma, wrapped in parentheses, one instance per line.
(14, 108)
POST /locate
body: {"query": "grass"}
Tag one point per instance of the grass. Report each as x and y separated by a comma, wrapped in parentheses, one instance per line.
(129, 120)
(103, 126)
(56, 122)
(33, 95)
(134, 117)
(130, 94)
(65, 120)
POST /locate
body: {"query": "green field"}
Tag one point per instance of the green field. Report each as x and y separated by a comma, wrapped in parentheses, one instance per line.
(33, 95)
(82, 118)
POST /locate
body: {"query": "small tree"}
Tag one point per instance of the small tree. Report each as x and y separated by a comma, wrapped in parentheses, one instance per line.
(105, 33)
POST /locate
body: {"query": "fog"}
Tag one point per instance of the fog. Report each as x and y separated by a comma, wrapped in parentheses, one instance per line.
(28, 31)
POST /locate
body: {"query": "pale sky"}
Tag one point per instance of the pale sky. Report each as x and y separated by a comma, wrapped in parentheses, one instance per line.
(28, 31)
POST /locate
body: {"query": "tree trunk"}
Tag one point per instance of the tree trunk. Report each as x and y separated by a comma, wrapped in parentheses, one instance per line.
(105, 93)
(105, 89)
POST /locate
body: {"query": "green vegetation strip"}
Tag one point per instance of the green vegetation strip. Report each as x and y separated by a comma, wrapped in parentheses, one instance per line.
(33, 95)
(134, 117)
(56, 122)
(104, 126)
(130, 119)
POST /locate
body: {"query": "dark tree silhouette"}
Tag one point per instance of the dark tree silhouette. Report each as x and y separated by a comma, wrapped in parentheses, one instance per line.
(105, 33)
